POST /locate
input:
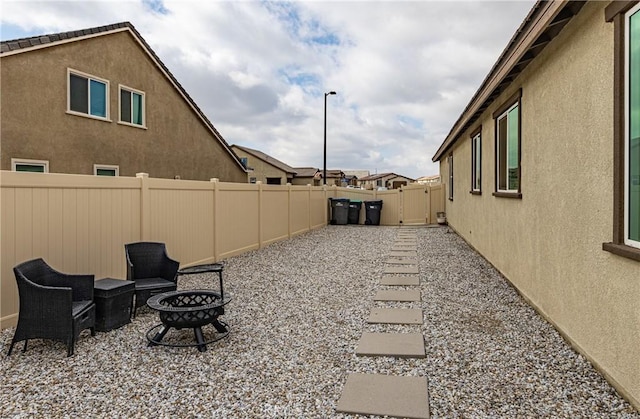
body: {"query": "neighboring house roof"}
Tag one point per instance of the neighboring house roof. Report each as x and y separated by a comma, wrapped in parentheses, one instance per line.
(333, 173)
(18, 46)
(306, 171)
(427, 178)
(267, 158)
(382, 176)
(545, 20)
(357, 173)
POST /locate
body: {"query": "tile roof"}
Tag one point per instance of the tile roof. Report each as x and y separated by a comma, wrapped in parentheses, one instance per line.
(383, 175)
(267, 158)
(306, 171)
(17, 46)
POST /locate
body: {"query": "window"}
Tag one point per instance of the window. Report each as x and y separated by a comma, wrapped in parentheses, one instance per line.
(87, 95)
(24, 165)
(508, 148)
(632, 131)
(626, 133)
(450, 161)
(244, 161)
(106, 170)
(132, 106)
(252, 180)
(476, 161)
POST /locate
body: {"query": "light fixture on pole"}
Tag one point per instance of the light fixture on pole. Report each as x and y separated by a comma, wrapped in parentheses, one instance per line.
(324, 173)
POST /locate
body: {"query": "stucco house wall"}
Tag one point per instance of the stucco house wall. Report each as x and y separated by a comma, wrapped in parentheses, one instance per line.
(260, 169)
(549, 243)
(36, 125)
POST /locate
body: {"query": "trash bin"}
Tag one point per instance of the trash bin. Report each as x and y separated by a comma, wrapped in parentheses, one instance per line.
(339, 210)
(372, 212)
(354, 211)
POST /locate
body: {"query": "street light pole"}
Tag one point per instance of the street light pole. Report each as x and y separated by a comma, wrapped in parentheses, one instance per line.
(324, 173)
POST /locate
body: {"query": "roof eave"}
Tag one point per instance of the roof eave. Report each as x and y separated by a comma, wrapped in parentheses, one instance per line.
(545, 20)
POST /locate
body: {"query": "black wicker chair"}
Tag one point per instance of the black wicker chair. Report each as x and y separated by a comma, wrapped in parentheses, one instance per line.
(53, 305)
(151, 269)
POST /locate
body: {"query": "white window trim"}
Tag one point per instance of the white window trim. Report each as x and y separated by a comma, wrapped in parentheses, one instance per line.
(505, 115)
(16, 162)
(627, 28)
(144, 107)
(71, 71)
(106, 167)
(476, 140)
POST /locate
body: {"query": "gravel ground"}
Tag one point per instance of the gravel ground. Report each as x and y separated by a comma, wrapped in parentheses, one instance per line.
(299, 308)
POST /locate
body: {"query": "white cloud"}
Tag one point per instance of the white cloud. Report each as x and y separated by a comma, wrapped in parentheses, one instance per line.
(404, 71)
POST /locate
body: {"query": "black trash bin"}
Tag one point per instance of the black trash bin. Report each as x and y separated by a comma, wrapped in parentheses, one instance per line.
(354, 211)
(372, 212)
(339, 211)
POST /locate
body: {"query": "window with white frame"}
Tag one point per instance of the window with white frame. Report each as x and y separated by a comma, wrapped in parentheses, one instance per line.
(476, 161)
(132, 106)
(87, 95)
(26, 165)
(632, 128)
(106, 170)
(508, 148)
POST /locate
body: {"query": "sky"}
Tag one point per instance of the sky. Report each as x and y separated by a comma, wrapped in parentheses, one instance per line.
(403, 71)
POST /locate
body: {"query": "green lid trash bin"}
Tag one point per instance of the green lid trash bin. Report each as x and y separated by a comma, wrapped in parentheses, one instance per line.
(354, 211)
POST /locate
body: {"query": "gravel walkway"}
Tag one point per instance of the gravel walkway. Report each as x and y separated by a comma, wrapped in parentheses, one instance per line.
(298, 311)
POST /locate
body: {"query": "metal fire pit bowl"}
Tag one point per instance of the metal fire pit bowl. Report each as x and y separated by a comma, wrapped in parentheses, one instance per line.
(188, 309)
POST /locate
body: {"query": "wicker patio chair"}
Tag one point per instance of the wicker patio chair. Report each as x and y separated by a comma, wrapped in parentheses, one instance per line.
(53, 305)
(152, 270)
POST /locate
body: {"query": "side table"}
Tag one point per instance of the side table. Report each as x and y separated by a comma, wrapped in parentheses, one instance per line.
(113, 299)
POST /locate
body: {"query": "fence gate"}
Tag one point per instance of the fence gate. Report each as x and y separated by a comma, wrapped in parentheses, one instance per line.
(420, 203)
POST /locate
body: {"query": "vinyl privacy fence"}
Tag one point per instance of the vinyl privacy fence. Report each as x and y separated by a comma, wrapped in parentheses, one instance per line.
(80, 224)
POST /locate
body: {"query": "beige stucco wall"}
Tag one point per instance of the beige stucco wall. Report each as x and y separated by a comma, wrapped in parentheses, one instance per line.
(35, 124)
(549, 243)
(261, 169)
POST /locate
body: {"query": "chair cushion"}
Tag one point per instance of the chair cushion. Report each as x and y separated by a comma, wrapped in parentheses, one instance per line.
(154, 283)
(79, 306)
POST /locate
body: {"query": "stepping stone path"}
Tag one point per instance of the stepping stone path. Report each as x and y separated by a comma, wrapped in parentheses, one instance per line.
(385, 395)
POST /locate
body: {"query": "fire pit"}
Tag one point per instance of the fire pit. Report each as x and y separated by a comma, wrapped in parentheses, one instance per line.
(188, 309)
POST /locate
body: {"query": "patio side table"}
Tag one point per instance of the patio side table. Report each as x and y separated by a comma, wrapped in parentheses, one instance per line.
(113, 303)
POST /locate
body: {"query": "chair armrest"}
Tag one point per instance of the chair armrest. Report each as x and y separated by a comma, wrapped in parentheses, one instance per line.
(81, 285)
(44, 302)
(169, 269)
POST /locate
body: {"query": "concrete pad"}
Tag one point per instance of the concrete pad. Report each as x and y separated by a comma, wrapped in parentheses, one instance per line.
(405, 247)
(397, 295)
(385, 395)
(395, 315)
(402, 269)
(401, 261)
(399, 345)
(400, 280)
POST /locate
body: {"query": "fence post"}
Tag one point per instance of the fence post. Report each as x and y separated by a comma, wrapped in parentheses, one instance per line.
(260, 214)
(145, 207)
(427, 190)
(289, 210)
(214, 181)
(309, 203)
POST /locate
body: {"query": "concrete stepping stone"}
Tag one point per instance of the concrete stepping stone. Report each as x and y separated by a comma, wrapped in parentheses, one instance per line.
(401, 261)
(405, 242)
(399, 345)
(395, 316)
(403, 248)
(402, 269)
(391, 279)
(403, 253)
(397, 295)
(385, 395)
